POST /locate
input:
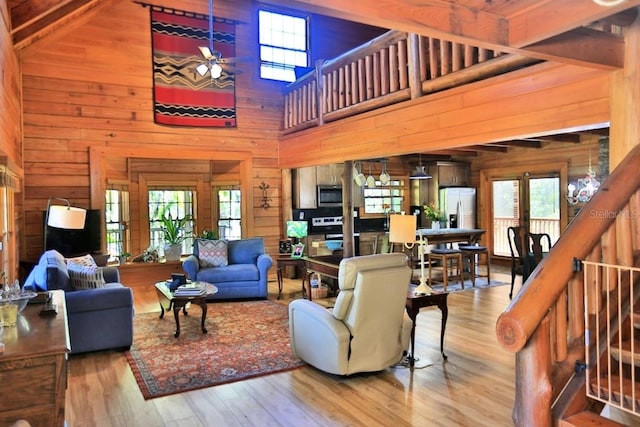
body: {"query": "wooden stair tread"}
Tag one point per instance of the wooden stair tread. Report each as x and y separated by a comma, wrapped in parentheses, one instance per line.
(588, 419)
(625, 354)
(627, 391)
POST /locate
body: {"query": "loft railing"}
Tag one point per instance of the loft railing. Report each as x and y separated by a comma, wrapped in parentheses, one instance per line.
(391, 68)
(544, 324)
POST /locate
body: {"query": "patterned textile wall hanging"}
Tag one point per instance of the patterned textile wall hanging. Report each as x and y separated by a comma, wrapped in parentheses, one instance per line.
(181, 96)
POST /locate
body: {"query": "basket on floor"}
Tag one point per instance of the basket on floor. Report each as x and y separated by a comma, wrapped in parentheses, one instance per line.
(319, 292)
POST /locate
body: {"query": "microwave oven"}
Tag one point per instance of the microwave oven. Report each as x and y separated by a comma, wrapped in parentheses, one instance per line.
(329, 196)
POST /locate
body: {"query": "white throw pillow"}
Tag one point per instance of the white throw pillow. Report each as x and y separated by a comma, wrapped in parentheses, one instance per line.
(212, 253)
(85, 277)
(86, 260)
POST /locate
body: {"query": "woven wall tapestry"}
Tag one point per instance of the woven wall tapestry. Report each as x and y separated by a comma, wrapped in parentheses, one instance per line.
(182, 97)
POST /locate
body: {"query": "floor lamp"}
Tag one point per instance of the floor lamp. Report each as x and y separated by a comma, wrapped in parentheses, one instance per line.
(63, 216)
(402, 229)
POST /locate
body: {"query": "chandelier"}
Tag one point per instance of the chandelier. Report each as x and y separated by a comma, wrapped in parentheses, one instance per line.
(583, 190)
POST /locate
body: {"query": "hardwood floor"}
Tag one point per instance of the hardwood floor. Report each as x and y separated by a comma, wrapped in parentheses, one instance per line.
(474, 387)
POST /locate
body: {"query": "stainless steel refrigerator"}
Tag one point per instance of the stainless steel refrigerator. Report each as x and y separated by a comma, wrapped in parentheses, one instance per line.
(459, 206)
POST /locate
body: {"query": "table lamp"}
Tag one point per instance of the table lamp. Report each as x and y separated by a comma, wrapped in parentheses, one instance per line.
(402, 229)
(297, 230)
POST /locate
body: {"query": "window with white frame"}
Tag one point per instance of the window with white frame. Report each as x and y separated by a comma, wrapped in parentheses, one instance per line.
(117, 221)
(283, 44)
(384, 199)
(229, 213)
(177, 203)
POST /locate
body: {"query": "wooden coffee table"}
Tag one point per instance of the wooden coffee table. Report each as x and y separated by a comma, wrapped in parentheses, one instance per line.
(169, 301)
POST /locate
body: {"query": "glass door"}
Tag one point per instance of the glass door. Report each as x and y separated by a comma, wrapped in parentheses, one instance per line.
(533, 201)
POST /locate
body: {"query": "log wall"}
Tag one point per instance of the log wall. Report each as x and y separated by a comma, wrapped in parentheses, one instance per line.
(89, 87)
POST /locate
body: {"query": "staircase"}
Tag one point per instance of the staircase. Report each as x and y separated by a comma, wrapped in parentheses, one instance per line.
(574, 324)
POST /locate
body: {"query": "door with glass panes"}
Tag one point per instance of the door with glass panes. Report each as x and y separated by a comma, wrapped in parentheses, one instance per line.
(529, 200)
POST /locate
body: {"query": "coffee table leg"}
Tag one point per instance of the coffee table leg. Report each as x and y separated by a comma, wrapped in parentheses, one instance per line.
(445, 313)
(176, 314)
(203, 305)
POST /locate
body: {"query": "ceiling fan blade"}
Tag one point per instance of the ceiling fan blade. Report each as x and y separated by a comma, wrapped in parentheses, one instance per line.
(234, 60)
(230, 69)
(206, 52)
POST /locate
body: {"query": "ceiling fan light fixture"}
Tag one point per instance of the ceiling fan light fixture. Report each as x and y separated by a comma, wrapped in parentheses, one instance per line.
(216, 71)
(202, 69)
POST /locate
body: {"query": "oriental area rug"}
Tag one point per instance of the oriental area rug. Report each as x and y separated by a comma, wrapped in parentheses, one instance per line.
(245, 339)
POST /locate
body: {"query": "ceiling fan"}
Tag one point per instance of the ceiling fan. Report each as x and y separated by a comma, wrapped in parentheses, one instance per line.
(213, 62)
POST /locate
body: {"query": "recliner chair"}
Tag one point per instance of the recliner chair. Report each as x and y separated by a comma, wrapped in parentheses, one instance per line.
(368, 329)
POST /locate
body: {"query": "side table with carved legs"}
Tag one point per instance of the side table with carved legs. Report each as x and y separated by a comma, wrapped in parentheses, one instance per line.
(414, 304)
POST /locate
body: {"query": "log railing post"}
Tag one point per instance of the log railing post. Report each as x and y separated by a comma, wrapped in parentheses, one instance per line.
(319, 92)
(415, 84)
(533, 384)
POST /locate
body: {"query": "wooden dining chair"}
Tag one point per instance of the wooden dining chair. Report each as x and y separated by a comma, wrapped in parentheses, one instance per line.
(538, 245)
(518, 243)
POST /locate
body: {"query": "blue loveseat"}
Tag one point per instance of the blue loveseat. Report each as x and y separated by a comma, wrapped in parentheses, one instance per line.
(99, 319)
(244, 276)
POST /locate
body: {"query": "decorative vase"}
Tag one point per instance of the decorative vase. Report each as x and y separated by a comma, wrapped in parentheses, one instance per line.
(172, 252)
(435, 225)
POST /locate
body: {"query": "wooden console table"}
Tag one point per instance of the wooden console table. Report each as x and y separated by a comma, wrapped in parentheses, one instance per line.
(33, 367)
(327, 265)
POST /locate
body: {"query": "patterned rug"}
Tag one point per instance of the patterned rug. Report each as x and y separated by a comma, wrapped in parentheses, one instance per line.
(244, 340)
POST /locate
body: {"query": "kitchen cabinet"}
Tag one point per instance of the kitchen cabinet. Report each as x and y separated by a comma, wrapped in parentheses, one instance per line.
(304, 188)
(451, 174)
(329, 174)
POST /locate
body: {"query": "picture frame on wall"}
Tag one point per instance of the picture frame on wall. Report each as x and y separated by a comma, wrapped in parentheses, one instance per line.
(297, 250)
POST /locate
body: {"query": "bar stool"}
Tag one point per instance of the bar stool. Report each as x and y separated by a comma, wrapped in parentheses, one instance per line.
(470, 252)
(449, 258)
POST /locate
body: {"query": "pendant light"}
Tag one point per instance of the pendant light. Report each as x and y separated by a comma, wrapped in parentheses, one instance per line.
(420, 172)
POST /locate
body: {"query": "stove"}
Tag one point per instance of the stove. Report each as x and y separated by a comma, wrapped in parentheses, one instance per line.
(327, 225)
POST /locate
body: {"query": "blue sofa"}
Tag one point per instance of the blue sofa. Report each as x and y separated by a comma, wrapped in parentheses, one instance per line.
(245, 275)
(99, 319)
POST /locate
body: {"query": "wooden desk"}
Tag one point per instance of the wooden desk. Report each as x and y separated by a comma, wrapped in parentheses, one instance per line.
(33, 367)
(414, 304)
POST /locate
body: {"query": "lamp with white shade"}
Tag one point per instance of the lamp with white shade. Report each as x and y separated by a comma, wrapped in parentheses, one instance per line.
(402, 229)
(63, 216)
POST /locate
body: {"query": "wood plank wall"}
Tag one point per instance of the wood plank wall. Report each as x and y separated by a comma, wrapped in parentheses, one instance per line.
(10, 149)
(89, 86)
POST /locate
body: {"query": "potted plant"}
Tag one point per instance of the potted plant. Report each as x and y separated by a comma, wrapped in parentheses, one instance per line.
(174, 233)
(123, 257)
(434, 215)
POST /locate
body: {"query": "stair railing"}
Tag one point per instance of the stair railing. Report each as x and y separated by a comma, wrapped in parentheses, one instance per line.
(611, 292)
(544, 323)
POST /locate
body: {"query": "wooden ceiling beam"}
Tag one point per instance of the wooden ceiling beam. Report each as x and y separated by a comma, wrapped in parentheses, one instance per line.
(519, 143)
(582, 46)
(551, 18)
(46, 23)
(440, 19)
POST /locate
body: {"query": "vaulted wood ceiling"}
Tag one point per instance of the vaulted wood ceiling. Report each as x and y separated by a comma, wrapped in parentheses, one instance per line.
(570, 31)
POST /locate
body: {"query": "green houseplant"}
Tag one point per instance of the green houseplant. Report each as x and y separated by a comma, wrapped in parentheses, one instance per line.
(173, 233)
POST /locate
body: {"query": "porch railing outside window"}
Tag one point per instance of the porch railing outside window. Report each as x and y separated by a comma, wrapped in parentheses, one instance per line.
(116, 222)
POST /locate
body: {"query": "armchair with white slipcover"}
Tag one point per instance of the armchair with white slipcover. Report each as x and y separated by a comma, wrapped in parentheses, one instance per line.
(368, 329)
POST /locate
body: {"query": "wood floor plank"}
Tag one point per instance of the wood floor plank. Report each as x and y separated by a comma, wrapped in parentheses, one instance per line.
(474, 387)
